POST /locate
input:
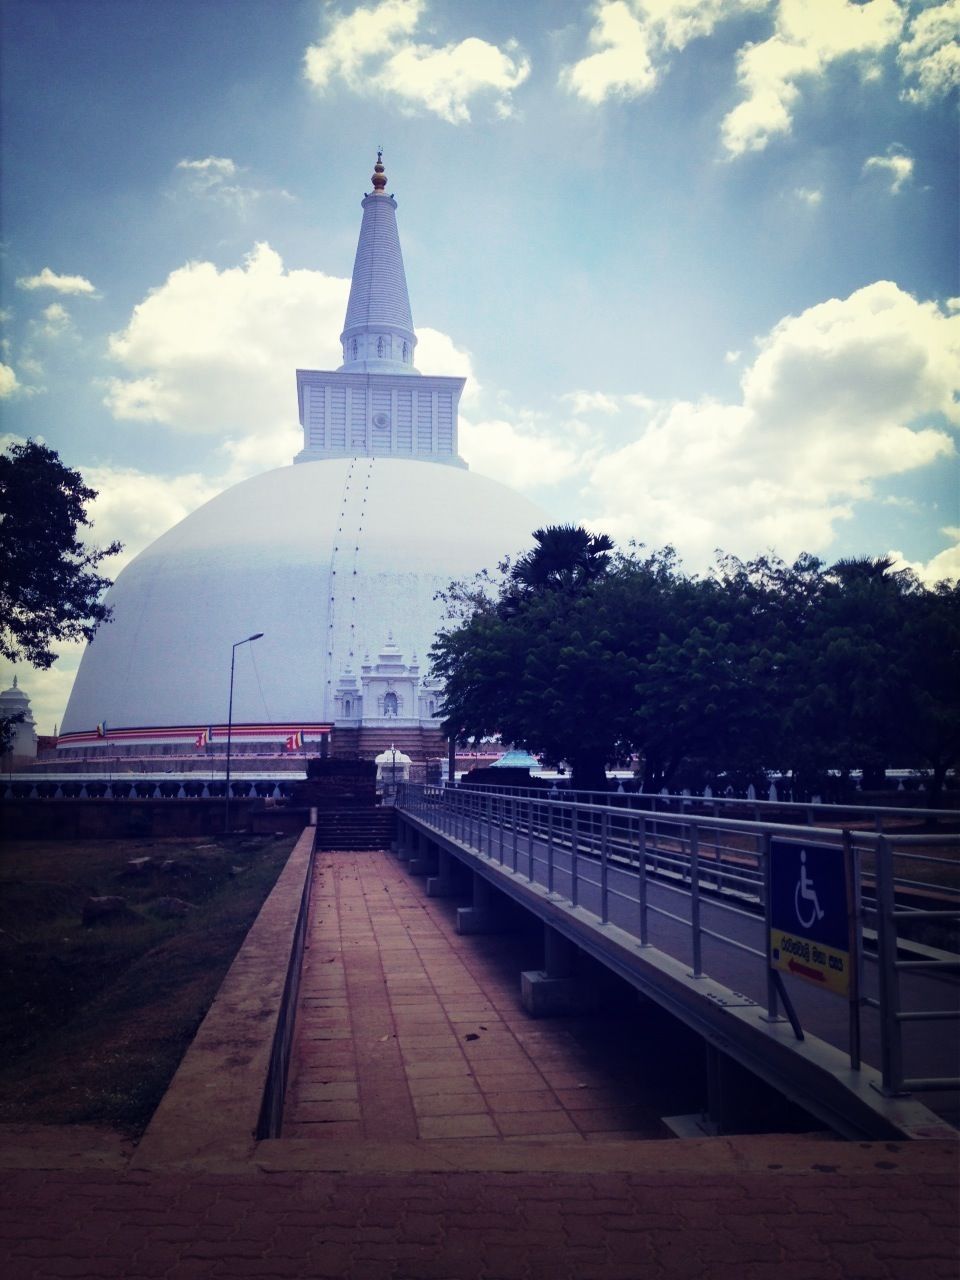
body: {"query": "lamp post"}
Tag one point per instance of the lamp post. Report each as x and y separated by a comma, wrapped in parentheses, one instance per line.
(233, 658)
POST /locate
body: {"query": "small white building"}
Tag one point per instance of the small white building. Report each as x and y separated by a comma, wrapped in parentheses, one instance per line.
(393, 766)
(14, 702)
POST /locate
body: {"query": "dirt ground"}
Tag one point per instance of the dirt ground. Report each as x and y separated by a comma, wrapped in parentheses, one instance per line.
(94, 1018)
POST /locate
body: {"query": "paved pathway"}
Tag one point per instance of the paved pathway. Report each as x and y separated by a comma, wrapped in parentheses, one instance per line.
(743, 1220)
(407, 1031)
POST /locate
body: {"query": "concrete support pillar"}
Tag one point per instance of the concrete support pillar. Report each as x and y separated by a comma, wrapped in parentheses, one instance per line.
(732, 1095)
(423, 861)
(559, 954)
(555, 989)
(405, 838)
(485, 915)
(442, 884)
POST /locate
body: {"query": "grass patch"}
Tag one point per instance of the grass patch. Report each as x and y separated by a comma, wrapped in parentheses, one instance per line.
(95, 1018)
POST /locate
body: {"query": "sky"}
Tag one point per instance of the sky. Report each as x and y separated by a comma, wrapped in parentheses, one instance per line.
(697, 258)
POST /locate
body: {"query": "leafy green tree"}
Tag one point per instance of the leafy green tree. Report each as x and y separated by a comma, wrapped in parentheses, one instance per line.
(8, 727)
(761, 666)
(922, 696)
(552, 663)
(50, 589)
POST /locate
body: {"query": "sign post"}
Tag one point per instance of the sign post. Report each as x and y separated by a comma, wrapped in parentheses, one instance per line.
(811, 928)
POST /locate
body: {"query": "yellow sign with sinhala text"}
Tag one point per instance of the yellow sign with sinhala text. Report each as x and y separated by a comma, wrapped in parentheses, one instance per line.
(824, 966)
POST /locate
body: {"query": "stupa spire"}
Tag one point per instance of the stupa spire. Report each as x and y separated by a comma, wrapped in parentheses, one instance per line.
(379, 178)
(370, 406)
(378, 334)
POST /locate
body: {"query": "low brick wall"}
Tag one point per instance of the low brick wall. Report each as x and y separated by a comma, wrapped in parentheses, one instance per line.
(114, 819)
(228, 1088)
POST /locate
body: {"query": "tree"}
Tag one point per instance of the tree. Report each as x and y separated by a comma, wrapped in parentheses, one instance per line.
(565, 558)
(50, 589)
(553, 662)
(762, 666)
(8, 727)
(924, 700)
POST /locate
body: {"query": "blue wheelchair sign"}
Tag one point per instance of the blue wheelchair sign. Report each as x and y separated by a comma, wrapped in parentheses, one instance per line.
(810, 926)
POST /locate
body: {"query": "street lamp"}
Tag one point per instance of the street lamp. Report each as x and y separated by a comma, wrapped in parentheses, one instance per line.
(233, 658)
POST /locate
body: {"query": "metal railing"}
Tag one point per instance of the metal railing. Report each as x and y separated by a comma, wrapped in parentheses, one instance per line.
(811, 812)
(698, 887)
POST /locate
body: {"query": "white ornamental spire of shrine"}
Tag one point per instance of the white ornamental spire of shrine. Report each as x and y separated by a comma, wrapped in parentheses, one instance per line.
(378, 335)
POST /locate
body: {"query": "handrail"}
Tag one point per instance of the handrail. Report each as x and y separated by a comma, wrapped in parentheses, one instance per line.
(732, 824)
(572, 842)
(621, 799)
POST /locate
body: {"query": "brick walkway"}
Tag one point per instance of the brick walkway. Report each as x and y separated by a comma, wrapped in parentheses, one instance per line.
(407, 1031)
(760, 1225)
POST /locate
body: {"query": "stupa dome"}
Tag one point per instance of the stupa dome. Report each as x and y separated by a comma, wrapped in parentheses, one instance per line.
(325, 558)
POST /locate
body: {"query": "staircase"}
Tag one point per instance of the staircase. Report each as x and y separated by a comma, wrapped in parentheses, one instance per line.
(356, 829)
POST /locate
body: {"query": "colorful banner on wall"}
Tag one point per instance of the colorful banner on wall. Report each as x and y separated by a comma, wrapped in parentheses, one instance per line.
(191, 734)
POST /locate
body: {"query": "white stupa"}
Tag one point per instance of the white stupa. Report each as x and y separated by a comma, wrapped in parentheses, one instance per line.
(337, 560)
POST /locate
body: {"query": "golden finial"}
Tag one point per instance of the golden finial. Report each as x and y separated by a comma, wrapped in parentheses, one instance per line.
(379, 177)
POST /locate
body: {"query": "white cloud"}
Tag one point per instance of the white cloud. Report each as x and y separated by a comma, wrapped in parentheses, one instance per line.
(843, 394)
(9, 383)
(732, 357)
(48, 279)
(48, 691)
(807, 40)
(633, 39)
(591, 402)
(631, 43)
(622, 65)
(944, 566)
(212, 166)
(135, 508)
(219, 178)
(438, 354)
(640, 402)
(930, 56)
(252, 455)
(522, 458)
(56, 320)
(214, 351)
(373, 48)
(811, 196)
(895, 165)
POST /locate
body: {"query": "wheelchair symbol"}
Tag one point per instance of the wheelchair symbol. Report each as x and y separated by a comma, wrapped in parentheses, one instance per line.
(812, 910)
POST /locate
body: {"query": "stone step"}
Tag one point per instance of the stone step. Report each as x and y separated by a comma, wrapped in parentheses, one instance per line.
(356, 829)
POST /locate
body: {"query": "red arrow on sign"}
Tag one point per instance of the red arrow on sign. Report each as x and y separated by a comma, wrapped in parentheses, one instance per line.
(804, 972)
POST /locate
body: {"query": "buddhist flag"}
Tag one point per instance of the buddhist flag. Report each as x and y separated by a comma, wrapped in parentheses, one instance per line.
(203, 737)
(295, 741)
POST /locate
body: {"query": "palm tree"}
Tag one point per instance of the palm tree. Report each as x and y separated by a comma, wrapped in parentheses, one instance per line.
(566, 557)
(856, 570)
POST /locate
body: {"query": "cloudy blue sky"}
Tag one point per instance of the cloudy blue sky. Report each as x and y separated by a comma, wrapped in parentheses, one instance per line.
(699, 258)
